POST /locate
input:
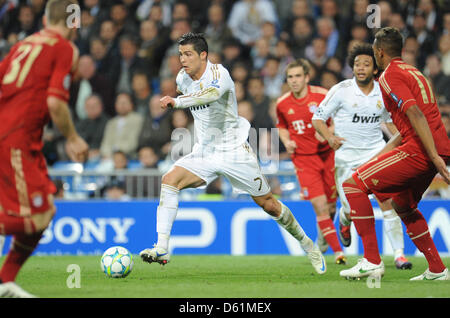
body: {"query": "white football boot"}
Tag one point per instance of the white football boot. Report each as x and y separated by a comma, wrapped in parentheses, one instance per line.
(317, 260)
(427, 275)
(12, 290)
(363, 269)
(155, 254)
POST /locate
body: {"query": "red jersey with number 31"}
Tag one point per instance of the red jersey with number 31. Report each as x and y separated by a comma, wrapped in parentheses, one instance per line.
(403, 86)
(295, 115)
(41, 65)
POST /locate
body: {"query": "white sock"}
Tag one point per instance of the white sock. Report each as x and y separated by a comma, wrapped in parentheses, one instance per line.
(166, 214)
(2, 242)
(394, 230)
(290, 224)
(342, 217)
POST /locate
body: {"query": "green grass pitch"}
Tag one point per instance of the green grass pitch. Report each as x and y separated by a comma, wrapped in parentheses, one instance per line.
(222, 277)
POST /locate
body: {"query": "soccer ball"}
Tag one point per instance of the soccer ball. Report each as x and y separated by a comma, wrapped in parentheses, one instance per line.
(117, 262)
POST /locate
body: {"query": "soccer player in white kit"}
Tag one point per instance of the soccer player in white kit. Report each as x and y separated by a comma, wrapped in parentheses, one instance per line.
(357, 108)
(221, 149)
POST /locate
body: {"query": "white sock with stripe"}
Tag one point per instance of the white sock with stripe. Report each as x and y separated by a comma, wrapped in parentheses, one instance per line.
(394, 230)
(290, 224)
(166, 214)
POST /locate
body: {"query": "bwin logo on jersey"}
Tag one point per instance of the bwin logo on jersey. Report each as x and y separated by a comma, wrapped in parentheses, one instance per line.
(366, 119)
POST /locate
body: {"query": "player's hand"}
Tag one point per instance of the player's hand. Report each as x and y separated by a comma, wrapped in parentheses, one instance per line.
(167, 101)
(441, 167)
(290, 147)
(335, 142)
(77, 149)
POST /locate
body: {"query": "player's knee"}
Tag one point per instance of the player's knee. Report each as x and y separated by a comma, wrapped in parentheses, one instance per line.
(402, 211)
(169, 179)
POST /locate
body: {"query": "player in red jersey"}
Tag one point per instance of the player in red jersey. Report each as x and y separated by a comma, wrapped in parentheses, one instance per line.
(406, 166)
(34, 82)
(312, 156)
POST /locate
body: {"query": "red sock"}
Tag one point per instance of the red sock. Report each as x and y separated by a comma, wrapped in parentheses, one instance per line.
(362, 216)
(329, 233)
(21, 248)
(417, 229)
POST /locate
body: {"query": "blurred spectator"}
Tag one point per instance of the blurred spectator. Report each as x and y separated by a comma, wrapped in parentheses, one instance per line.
(122, 131)
(170, 67)
(334, 64)
(440, 81)
(411, 49)
(163, 6)
(385, 12)
(156, 130)
(59, 184)
(89, 82)
(424, 37)
(245, 109)
(444, 51)
(259, 53)
(85, 32)
(240, 72)
(130, 63)
(317, 52)
(284, 54)
(92, 127)
(241, 91)
(446, 23)
(27, 23)
(272, 76)
(431, 15)
(106, 64)
(115, 190)
(168, 87)
(301, 36)
(142, 92)
(329, 78)
(246, 18)
(148, 158)
(120, 160)
(326, 29)
(216, 31)
(108, 34)
(359, 32)
(397, 21)
(260, 102)
(180, 11)
(182, 135)
(232, 51)
(124, 22)
(299, 9)
(269, 32)
(153, 45)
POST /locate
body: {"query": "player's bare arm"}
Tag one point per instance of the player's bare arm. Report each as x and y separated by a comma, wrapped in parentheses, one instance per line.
(321, 127)
(422, 129)
(59, 112)
(286, 140)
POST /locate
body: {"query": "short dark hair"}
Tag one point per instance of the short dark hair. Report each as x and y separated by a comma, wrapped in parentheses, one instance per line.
(361, 49)
(391, 40)
(197, 40)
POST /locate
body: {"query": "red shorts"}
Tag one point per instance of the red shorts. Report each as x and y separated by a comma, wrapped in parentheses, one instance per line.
(315, 174)
(402, 174)
(26, 188)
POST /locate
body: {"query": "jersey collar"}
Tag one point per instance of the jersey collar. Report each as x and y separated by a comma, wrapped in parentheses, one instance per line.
(375, 91)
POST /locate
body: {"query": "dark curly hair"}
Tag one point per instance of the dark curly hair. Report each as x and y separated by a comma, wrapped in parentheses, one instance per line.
(361, 49)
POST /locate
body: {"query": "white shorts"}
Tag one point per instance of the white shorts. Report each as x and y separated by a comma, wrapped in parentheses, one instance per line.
(343, 172)
(240, 166)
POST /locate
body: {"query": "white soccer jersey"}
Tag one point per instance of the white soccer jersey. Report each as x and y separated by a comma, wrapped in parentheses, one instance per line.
(212, 101)
(357, 118)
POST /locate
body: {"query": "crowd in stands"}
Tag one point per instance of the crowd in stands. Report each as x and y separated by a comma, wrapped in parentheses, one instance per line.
(129, 59)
